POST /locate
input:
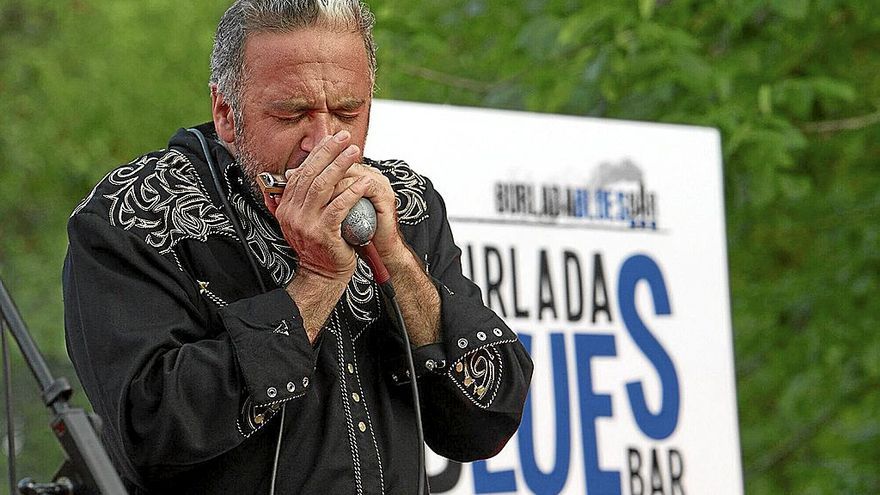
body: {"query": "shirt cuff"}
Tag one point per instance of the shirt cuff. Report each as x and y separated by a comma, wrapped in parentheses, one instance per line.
(465, 328)
(273, 350)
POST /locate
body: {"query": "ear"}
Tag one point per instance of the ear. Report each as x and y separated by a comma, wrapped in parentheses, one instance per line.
(224, 120)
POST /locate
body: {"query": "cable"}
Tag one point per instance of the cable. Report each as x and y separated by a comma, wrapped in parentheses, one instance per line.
(7, 394)
(388, 290)
(229, 211)
(277, 450)
(358, 229)
(233, 218)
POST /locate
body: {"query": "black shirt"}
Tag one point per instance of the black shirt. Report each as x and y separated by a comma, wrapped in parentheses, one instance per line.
(191, 364)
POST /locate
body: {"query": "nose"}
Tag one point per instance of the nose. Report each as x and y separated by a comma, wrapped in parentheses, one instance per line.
(319, 126)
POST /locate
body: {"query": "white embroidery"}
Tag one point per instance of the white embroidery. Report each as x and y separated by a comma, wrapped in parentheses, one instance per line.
(372, 430)
(479, 372)
(162, 196)
(336, 330)
(282, 328)
(168, 204)
(409, 187)
(360, 292)
(269, 247)
(82, 204)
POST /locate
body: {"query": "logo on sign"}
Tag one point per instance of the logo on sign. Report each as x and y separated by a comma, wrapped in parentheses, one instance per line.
(614, 196)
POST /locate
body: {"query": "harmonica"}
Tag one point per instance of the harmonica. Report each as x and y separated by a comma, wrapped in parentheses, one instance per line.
(271, 184)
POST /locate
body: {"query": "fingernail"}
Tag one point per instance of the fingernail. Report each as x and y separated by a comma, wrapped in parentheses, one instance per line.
(351, 150)
(341, 136)
(288, 173)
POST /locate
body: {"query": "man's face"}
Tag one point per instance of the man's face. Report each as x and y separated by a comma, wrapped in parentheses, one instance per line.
(299, 87)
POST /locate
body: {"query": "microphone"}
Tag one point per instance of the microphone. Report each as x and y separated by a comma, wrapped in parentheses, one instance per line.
(357, 229)
(360, 223)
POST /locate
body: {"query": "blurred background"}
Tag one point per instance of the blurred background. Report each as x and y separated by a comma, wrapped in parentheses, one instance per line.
(793, 85)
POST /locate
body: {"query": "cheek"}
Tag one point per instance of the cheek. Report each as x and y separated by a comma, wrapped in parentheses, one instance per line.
(274, 147)
(359, 133)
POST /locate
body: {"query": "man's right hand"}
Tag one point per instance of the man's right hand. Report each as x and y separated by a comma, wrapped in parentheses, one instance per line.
(310, 213)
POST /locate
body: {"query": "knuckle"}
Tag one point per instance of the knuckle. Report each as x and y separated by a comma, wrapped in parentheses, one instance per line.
(328, 147)
(320, 183)
(337, 208)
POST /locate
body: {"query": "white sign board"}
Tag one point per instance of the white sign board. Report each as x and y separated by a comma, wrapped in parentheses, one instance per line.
(602, 243)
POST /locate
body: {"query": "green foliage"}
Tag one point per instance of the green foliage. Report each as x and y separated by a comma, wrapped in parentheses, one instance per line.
(793, 85)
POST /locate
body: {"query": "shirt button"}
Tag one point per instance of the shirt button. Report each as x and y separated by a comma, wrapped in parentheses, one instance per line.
(497, 332)
(462, 343)
(271, 392)
(291, 387)
(305, 381)
(362, 427)
(350, 368)
(356, 397)
(481, 336)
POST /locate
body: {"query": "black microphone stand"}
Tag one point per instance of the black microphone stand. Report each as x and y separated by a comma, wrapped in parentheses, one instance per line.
(87, 469)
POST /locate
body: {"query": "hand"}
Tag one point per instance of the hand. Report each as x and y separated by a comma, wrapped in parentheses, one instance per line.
(387, 239)
(312, 208)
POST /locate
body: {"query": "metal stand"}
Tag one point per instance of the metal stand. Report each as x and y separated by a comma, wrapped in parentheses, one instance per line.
(87, 470)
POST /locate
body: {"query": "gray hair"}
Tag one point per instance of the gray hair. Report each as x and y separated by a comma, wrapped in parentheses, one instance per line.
(246, 17)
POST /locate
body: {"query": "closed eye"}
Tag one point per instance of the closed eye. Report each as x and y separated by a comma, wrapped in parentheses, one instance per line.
(290, 118)
(346, 117)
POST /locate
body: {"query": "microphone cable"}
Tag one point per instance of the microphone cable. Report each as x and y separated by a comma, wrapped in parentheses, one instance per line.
(388, 290)
(357, 230)
(233, 218)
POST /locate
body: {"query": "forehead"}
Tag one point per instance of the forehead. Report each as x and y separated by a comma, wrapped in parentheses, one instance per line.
(304, 61)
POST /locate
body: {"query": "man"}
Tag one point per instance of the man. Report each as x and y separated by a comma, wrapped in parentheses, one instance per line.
(244, 348)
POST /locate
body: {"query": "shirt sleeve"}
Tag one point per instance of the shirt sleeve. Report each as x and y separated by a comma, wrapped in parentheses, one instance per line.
(472, 384)
(175, 384)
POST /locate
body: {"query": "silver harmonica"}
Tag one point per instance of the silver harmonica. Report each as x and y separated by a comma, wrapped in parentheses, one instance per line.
(271, 184)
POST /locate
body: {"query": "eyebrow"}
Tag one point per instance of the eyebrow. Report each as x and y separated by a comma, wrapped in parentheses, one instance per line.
(295, 105)
(349, 104)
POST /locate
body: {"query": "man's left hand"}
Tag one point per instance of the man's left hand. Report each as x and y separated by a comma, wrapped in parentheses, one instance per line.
(387, 239)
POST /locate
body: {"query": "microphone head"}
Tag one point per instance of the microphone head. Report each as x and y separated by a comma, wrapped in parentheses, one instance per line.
(360, 223)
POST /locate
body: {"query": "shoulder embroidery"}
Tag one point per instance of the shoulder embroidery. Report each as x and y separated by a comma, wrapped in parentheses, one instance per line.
(163, 197)
(409, 187)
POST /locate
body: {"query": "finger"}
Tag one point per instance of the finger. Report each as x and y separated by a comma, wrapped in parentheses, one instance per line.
(342, 185)
(320, 158)
(336, 211)
(379, 184)
(379, 190)
(323, 186)
(359, 169)
(271, 202)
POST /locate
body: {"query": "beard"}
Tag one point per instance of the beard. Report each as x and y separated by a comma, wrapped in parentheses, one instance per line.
(247, 160)
(250, 168)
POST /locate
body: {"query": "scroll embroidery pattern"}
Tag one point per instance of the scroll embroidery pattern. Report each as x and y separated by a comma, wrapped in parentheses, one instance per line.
(267, 244)
(409, 188)
(168, 205)
(478, 375)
